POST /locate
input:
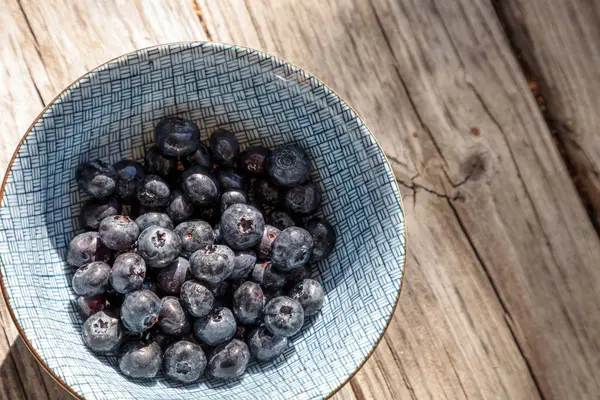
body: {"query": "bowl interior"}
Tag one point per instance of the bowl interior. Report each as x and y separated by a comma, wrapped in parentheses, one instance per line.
(110, 114)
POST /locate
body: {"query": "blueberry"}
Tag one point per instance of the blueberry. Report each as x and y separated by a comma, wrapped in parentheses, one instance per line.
(225, 147)
(154, 218)
(267, 193)
(172, 319)
(86, 248)
(173, 276)
(284, 316)
(242, 226)
(159, 164)
(118, 232)
(292, 248)
(253, 161)
(267, 277)
(232, 197)
(196, 298)
(304, 199)
(244, 262)
(184, 362)
(199, 186)
(176, 136)
(200, 157)
(280, 220)
(179, 207)
(228, 361)
(102, 332)
(128, 273)
(158, 246)
(230, 180)
(194, 235)
(215, 328)
(140, 359)
(129, 175)
(97, 178)
(91, 279)
(140, 310)
(248, 303)
(288, 166)
(265, 346)
(266, 242)
(324, 238)
(153, 192)
(212, 263)
(91, 305)
(310, 294)
(94, 211)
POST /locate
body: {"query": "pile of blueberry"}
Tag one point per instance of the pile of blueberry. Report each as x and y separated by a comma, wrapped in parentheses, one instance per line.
(195, 267)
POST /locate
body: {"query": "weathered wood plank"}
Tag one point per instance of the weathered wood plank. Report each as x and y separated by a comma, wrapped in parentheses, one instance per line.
(517, 205)
(558, 48)
(20, 101)
(87, 33)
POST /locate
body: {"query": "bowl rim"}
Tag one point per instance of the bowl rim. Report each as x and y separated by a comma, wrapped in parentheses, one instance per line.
(51, 103)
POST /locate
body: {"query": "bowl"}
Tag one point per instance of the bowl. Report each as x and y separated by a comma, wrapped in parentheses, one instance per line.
(110, 113)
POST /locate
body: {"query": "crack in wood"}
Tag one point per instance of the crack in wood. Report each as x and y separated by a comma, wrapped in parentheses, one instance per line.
(357, 390)
(37, 49)
(400, 365)
(200, 15)
(472, 244)
(256, 26)
(498, 295)
(11, 356)
(35, 40)
(414, 186)
(397, 160)
(508, 319)
(521, 43)
(35, 86)
(547, 242)
(462, 388)
(381, 368)
(403, 82)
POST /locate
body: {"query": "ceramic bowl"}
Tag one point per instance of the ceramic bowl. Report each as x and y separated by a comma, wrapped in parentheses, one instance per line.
(110, 113)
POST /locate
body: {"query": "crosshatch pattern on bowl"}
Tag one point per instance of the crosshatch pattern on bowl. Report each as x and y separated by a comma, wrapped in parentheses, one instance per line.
(110, 114)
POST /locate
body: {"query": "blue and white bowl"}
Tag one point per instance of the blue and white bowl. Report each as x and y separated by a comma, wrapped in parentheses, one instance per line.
(109, 113)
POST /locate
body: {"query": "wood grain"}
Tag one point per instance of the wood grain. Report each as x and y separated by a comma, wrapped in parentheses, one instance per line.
(500, 298)
(558, 48)
(507, 183)
(20, 101)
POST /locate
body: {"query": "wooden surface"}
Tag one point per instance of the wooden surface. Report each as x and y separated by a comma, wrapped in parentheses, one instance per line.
(488, 111)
